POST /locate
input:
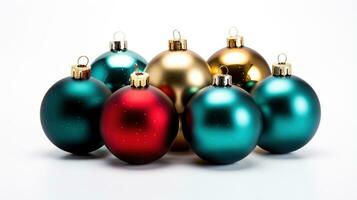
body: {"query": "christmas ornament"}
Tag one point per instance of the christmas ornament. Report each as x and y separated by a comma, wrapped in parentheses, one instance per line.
(70, 111)
(115, 66)
(246, 66)
(139, 122)
(180, 73)
(222, 123)
(290, 107)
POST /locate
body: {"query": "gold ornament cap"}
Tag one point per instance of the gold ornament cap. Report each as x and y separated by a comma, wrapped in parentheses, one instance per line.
(234, 40)
(119, 41)
(139, 79)
(81, 71)
(222, 79)
(282, 68)
(177, 43)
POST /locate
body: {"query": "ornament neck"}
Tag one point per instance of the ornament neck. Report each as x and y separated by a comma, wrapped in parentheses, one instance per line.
(234, 40)
(119, 42)
(177, 44)
(139, 79)
(282, 68)
(222, 80)
(118, 45)
(81, 71)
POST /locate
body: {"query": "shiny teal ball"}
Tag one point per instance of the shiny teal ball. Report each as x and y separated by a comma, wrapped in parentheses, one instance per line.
(291, 113)
(70, 114)
(113, 68)
(222, 124)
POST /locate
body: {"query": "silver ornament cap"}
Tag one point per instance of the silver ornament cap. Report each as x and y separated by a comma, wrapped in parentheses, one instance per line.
(119, 42)
(222, 79)
(282, 68)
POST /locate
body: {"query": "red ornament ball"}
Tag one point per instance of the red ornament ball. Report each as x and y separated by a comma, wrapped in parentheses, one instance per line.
(139, 125)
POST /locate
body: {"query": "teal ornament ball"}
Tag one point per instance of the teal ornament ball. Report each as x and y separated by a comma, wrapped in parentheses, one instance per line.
(71, 109)
(222, 123)
(114, 67)
(291, 110)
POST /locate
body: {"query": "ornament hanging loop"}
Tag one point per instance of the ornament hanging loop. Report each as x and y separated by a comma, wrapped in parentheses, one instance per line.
(233, 32)
(176, 34)
(234, 40)
(79, 61)
(136, 68)
(119, 36)
(119, 41)
(282, 58)
(225, 67)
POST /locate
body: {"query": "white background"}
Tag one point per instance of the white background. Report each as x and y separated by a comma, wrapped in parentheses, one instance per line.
(40, 40)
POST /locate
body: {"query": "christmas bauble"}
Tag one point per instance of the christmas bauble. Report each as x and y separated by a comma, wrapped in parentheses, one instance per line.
(115, 66)
(291, 110)
(246, 66)
(70, 112)
(180, 73)
(222, 123)
(139, 122)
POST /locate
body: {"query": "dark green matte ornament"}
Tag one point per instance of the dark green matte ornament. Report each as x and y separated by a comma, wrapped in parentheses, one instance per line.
(114, 67)
(70, 112)
(290, 108)
(222, 123)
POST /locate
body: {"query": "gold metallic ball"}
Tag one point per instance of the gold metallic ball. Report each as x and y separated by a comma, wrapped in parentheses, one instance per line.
(179, 73)
(246, 66)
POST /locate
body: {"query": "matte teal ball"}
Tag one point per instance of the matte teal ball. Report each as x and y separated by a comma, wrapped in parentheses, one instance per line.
(114, 67)
(70, 113)
(291, 113)
(222, 124)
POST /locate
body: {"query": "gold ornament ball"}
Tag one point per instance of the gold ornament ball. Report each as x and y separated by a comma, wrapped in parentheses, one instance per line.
(179, 73)
(246, 66)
